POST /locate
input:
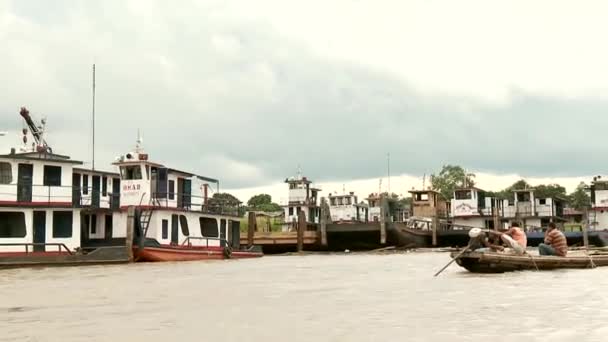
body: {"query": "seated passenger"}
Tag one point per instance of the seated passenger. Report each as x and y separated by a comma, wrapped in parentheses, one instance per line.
(515, 238)
(555, 242)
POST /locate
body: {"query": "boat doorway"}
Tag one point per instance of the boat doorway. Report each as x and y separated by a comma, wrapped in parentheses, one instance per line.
(24, 182)
(223, 233)
(39, 230)
(76, 189)
(95, 196)
(174, 230)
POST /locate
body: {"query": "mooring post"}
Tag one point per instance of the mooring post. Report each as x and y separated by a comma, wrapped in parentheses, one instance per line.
(585, 232)
(435, 227)
(301, 229)
(324, 216)
(130, 232)
(384, 216)
(251, 228)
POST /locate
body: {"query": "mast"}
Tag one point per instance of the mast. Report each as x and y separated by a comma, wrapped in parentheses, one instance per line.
(388, 161)
(93, 128)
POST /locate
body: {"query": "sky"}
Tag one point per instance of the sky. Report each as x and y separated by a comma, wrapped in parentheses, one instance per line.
(251, 91)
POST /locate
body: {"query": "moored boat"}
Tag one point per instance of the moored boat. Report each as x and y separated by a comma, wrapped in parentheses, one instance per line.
(173, 221)
(51, 211)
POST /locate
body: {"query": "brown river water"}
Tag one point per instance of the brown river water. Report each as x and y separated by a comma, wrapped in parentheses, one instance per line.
(338, 297)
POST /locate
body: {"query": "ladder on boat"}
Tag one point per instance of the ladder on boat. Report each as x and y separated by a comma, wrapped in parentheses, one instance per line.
(146, 216)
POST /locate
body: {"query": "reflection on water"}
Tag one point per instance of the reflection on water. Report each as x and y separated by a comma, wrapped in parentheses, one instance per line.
(353, 297)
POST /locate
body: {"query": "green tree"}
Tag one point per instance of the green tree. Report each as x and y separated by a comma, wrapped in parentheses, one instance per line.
(449, 178)
(263, 202)
(579, 199)
(258, 200)
(550, 191)
(224, 197)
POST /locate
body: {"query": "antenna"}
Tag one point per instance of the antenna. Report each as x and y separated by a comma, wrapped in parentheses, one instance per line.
(388, 161)
(299, 172)
(138, 142)
(424, 182)
(93, 128)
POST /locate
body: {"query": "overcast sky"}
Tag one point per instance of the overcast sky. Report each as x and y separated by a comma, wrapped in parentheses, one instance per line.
(246, 91)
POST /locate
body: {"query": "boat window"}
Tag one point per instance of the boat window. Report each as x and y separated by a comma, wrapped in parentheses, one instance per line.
(347, 201)
(422, 197)
(462, 195)
(85, 184)
(290, 211)
(208, 227)
(333, 201)
(52, 175)
(339, 201)
(131, 172)
(165, 229)
(104, 186)
(171, 189)
(12, 224)
(62, 224)
(183, 222)
(6, 173)
(542, 201)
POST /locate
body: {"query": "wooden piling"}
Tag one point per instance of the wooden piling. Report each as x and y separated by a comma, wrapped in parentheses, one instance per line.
(435, 227)
(301, 229)
(324, 217)
(251, 228)
(384, 216)
(130, 232)
(585, 233)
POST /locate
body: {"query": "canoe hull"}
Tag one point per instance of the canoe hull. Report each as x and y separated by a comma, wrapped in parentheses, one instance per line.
(170, 253)
(489, 262)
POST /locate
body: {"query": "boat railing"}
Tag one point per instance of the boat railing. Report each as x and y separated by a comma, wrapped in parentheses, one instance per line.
(58, 195)
(60, 246)
(187, 201)
(188, 240)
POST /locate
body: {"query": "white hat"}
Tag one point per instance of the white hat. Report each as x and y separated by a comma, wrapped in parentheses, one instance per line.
(473, 233)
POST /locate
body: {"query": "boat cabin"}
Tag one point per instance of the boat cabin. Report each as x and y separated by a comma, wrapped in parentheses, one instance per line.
(532, 211)
(345, 208)
(471, 207)
(177, 209)
(598, 215)
(429, 203)
(302, 197)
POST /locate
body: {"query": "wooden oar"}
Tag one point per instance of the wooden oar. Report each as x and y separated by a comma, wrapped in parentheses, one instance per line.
(454, 259)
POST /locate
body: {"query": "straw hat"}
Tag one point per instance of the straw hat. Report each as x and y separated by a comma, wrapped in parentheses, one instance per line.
(475, 232)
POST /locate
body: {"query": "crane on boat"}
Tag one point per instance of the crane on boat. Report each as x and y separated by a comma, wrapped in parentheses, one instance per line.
(36, 130)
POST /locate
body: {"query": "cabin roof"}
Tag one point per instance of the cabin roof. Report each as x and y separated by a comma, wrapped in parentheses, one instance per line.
(185, 173)
(424, 192)
(101, 172)
(41, 156)
(470, 188)
(524, 190)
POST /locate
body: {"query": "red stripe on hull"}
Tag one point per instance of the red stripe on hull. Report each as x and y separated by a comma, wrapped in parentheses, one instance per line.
(160, 254)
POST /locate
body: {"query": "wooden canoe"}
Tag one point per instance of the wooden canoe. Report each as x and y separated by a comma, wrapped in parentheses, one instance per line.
(492, 262)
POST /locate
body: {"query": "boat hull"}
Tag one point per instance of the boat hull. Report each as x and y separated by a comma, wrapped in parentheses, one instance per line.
(175, 253)
(100, 256)
(490, 262)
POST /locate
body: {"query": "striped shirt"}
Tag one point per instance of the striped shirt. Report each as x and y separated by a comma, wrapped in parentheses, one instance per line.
(557, 240)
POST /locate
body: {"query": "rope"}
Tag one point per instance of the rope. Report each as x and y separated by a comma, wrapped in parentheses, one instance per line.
(591, 263)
